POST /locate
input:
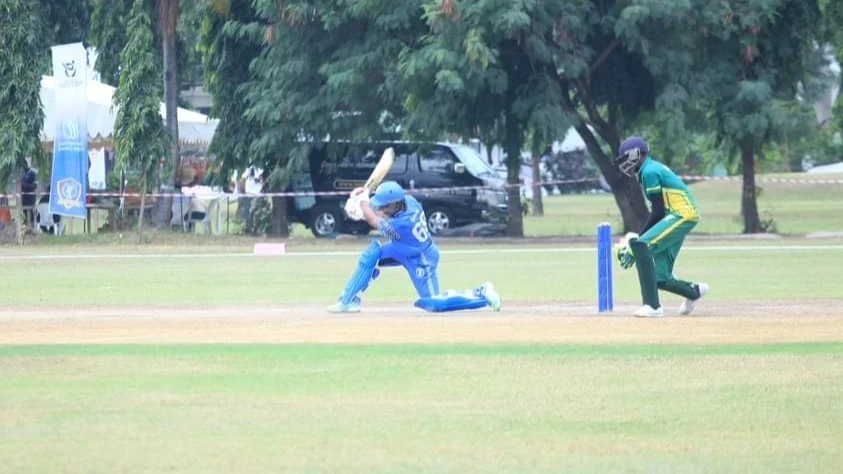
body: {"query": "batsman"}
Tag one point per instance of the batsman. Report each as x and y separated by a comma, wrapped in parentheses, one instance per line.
(673, 214)
(400, 218)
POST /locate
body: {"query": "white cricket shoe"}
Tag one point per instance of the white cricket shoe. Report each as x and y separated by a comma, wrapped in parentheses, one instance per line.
(688, 305)
(353, 307)
(493, 299)
(647, 311)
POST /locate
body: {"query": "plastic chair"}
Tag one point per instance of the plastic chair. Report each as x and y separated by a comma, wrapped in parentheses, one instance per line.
(44, 219)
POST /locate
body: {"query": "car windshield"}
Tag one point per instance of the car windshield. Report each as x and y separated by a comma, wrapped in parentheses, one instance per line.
(472, 160)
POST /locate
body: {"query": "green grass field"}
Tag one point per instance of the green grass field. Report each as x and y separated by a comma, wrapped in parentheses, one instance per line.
(481, 407)
(793, 208)
(396, 409)
(535, 273)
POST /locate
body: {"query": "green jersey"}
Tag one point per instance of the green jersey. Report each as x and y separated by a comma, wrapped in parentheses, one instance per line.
(678, 199)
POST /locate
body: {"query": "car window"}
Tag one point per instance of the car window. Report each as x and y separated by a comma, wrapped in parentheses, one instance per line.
(371, 156)
(437, 160)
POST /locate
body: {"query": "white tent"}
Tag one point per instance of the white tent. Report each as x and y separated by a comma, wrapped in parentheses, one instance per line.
(194, 128)
(832, 168)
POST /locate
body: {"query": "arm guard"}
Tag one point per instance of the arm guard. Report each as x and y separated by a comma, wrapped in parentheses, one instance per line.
(657, 213)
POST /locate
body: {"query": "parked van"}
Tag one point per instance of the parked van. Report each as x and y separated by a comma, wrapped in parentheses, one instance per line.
(428, 171)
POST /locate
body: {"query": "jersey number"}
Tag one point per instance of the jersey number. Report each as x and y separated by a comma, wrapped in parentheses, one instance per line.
(420, 231)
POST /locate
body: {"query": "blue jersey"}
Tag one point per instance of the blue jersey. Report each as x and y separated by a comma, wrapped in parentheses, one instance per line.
(407, 230)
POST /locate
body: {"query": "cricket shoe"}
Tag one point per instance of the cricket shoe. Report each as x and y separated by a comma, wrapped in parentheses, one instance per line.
(353, 307)
(688, 305)
(493, 299)
(647, 311)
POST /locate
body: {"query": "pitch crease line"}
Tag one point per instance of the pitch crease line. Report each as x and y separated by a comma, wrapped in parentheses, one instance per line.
(346, 253)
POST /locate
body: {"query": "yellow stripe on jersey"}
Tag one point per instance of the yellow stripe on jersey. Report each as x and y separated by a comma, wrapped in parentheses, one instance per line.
(677, 202)
(667, 231)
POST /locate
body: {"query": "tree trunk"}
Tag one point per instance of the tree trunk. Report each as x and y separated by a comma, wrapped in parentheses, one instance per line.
(512, 147)
(142, 205)
(538, 204)
(168, 15)
(280, 225)
(627, 191)
(20, 227)
(749, 203)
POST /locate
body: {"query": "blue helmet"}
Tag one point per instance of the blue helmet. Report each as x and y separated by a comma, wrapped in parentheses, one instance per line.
(631, 154)
(387, 193)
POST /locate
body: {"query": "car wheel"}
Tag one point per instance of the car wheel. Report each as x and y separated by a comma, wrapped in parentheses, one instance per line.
(326, 222)
(438, 219)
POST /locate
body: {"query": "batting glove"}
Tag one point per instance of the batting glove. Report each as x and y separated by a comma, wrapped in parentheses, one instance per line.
(361, 194)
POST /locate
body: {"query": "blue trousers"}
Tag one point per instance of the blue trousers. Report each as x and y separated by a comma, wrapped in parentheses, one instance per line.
(423, 270)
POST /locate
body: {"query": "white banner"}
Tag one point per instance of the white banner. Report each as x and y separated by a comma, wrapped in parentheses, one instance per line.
(96, 171)
(69, 180)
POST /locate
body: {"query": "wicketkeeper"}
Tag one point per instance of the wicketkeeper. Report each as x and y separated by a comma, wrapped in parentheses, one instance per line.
(673, 214)
(400, 218)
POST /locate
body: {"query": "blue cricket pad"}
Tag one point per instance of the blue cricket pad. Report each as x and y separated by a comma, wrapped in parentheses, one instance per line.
(363, 274)
(452, 302)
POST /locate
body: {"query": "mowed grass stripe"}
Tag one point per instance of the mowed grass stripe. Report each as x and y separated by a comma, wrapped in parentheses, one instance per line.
(328, 351)
(802, 275)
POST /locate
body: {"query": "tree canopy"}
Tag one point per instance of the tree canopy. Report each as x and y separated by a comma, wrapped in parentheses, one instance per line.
(20, 85)
(139, 135)
(735, 77)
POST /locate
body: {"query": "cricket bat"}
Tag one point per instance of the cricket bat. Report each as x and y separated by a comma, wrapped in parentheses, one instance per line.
(381, 169)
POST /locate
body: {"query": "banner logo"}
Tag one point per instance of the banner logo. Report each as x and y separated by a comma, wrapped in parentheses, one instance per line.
(70, 193)
(69, 69)
(70, 129)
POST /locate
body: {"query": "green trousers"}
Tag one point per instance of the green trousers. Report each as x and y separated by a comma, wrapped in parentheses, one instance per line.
(655, 255)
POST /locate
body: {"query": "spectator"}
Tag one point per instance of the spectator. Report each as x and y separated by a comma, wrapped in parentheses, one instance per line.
(252, 180)
(28, 188)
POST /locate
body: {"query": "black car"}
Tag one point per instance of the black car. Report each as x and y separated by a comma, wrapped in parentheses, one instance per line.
(431, 172)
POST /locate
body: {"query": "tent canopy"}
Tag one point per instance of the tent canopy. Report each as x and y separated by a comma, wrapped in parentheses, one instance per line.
(831, 168)
(194, 128)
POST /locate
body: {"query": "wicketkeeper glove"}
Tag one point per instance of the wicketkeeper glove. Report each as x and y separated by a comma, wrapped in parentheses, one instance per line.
(625, 256)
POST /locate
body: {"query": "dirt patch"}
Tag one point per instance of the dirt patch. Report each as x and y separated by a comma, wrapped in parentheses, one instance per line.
(556, 322)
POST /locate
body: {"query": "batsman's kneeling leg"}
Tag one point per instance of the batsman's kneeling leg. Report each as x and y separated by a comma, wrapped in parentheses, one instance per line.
(365, 272)
(451, 301)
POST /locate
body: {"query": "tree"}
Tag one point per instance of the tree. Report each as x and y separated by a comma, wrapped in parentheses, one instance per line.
(108, 34)
(139, 135)
(750, 66)
(832, 22)
(227, 57)
(737, 63)
(20, 86)
(547, 66)
(326, 70)
(168, 19)
(65, 21)
(484, 66)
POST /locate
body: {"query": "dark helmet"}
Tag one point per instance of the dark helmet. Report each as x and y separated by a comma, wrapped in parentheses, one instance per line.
(631, 154)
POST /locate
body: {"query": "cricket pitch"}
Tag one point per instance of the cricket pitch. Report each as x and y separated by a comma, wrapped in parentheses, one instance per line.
(750, 322)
